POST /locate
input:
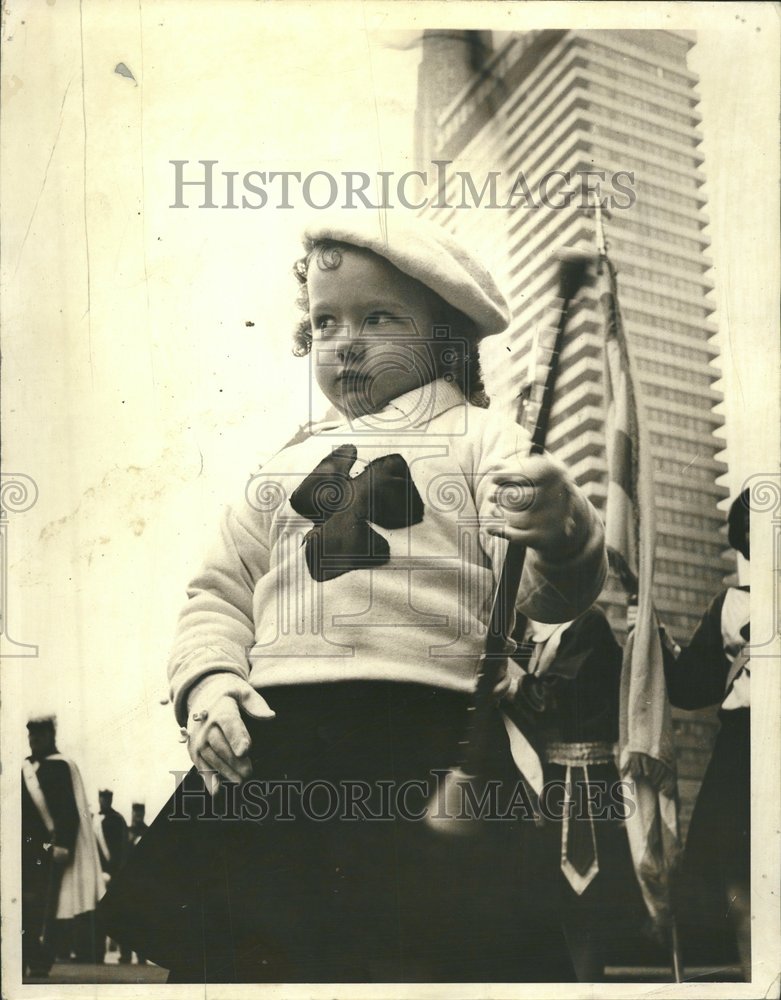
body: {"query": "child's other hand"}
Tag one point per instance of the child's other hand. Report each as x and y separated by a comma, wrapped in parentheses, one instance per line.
(218, 739)
(540, 507)
(507, 686)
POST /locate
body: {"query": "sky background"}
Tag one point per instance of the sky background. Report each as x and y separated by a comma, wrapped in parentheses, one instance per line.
(136, 393)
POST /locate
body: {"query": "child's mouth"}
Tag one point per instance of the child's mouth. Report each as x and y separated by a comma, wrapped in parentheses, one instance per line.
(352, 377)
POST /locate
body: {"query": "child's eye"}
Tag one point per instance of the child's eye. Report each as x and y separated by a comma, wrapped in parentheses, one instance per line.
(323, 323)
(377, 319)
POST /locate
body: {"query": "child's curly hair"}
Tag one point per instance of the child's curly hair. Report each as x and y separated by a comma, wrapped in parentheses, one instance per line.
(328, 254)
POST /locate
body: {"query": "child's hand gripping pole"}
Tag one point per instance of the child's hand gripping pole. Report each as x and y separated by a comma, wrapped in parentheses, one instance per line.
(575, 269)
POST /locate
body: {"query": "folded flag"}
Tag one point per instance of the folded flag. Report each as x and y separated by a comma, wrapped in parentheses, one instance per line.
(647, 752)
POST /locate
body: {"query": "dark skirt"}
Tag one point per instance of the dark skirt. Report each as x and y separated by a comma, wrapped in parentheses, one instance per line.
(322, 890)
(716, 859)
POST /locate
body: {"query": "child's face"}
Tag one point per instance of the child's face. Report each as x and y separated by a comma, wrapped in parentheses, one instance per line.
(371, 331)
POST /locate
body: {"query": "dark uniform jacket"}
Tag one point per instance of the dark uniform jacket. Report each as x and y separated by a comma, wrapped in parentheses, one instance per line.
(54, 777)
(116, 837)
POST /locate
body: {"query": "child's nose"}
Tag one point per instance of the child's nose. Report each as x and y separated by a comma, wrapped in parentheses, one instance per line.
(349, 350)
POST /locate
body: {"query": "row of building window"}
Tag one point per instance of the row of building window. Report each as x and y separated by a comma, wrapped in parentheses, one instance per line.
(686, 520)
(541, 148)
(671, 347)
(648, 68)
(669, 281)
(684, 543)
(670, 395)
(678, 596)
(681, 493)
(621, 223)
(645, 210)
(687, 570)
(651, 253)
(664, 194)
(671, 444)
(537, 112)
(666, 369)
(649, 89)
(680, 284)
(548, 82)
(672, 155)
(530, 223)
(679, 420)
(666, 302)
(669, 326)
(651, 128)
(629, 100)
(623, 160)
(675, 467)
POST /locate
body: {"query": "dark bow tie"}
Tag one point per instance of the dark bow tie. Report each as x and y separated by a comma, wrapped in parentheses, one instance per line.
(341, 508)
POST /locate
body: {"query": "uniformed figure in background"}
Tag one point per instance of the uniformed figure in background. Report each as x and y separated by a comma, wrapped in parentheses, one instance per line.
(714, 669)
(60, 867)
(111, 831)
(137, 827)
(112, 836)
(135, 832)
(567, 706)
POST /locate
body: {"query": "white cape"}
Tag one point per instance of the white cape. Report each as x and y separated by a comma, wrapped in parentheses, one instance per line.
(82, 881)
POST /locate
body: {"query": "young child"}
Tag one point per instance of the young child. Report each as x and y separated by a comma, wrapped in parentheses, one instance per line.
(332, 640)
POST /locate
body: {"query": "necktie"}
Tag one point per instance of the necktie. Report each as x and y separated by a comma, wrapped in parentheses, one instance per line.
(578, 838)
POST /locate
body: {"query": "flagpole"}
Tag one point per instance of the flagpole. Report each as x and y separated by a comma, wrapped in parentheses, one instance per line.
(675, 945)
(600, 231)
(573, 269)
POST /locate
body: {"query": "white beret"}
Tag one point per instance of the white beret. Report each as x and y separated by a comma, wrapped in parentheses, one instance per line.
(427, 253)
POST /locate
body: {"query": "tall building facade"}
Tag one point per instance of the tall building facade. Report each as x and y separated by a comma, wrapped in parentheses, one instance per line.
(552, 106)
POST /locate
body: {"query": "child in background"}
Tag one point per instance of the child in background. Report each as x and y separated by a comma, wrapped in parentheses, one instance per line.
(333, 640)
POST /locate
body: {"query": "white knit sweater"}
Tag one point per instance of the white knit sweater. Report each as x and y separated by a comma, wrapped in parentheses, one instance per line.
(256, 611)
